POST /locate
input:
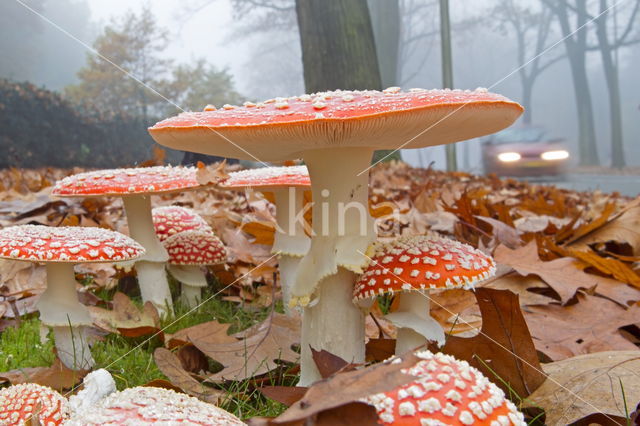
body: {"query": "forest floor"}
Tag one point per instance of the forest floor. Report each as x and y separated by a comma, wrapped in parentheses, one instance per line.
(565, 297)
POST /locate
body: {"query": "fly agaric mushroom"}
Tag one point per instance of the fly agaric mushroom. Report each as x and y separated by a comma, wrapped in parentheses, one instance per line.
(60, 248)
(25, 402)
(171, 220)
(336, 133)
(188, 252)
(143, 406)
(290, 241)
(411, 267)
(95, 386)
(135, 186)
(447, 391)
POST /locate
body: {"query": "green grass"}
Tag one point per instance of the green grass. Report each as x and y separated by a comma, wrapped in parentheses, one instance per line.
(130, 360)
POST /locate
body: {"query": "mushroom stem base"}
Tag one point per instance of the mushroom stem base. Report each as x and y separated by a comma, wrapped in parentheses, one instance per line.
(190, 296)
(334, 324)
(73, 347)
(154, 287)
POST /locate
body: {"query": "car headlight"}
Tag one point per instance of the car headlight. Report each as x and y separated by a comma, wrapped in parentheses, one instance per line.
(508, 157)
(560, 154)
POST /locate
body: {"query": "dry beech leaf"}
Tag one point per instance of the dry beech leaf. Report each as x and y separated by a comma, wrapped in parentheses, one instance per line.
(589, 384)
(591, 325)
(171, 367)
(259, 351)
(261, 231)
(521, 285)
(58, 376)
(327, 363)
(503, 347)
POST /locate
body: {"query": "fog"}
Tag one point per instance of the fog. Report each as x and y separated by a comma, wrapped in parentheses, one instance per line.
(264, 59)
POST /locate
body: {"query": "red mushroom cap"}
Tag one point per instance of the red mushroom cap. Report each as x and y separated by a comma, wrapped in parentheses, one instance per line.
(143, 180)
(283, 128)
(171, 220)
(18, 403)
(195, 248)
(72, 244)
(447, 392)
(268, 177)
(422, 262)
(149, 405)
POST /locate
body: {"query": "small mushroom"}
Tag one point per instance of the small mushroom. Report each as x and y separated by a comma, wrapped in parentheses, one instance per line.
(447, 391)
(171, 220)
(135, 186)
(23, 403)
(188, 252)
(412, 266)
(336, 133)
(143, 406)
(291, 243)
(59, 248)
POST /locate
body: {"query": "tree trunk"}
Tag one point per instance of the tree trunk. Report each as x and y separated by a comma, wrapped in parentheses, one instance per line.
(576, 51)
(527, 94)
(385, 21)
(338, 48)
(613, 87)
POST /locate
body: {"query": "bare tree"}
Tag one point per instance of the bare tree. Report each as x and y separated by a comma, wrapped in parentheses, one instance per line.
(385, 21)
(608, 45)
(531, 29)
(573, 18)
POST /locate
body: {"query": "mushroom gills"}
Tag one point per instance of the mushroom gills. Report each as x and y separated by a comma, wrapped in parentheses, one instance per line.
(415, 326)
(192, 279)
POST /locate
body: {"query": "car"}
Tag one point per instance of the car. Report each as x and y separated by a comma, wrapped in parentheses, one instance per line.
(524, 151)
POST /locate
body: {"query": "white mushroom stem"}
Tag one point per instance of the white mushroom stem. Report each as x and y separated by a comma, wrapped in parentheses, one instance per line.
(290, 240)
(342, 231)
(337, 327)
(415, 326)
(192, 281)
(152, 277)
(60, 309)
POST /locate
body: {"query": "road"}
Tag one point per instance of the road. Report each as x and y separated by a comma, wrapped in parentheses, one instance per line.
(625, 184)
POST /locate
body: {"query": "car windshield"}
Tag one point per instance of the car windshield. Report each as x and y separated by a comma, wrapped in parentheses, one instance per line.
(525, 134)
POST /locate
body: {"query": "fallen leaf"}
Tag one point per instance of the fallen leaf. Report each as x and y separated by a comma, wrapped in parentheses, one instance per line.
(212, 174)
(58, 376)
(623, 228)
(590, 325)
(171, 367)
(565, 275)
(521, 285)
(286, 395)
(504, 347)
(126, 317)
(257, 353)
(348, 387)
(503, 233)
(213, 331)
(589, 384)
(327, 363)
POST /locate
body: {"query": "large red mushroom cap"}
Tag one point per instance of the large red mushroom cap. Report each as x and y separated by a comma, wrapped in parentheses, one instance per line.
(265, 178)
(284, 128)
(171, 220)
(71, 244)
(143, 180)
(143, 406)
(447, 392)
(19, 403)
(422, 262)
(195, 248)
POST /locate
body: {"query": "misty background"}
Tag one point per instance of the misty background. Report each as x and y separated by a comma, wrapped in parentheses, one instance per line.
(251, 48)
